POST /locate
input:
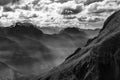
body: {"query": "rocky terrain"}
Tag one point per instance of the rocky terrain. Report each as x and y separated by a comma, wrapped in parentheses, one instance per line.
(26, 51)
(98, 60)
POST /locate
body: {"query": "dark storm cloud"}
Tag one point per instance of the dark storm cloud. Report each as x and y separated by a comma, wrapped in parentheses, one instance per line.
(5, 2)
(26, 7)
(87, 2)
(69, 11)
(91, 1)
(7, 9)
(61, 1)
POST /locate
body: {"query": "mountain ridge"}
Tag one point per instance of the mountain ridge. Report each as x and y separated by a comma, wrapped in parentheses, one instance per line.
(26, 51)
(99, 60)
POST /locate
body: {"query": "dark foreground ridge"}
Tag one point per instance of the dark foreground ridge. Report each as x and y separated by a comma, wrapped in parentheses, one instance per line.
(100, 60)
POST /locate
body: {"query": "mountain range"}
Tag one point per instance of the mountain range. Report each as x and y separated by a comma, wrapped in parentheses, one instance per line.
(97, 60)
(27, 51)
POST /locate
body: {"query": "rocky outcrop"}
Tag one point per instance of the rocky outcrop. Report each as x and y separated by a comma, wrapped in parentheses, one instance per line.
(98, 60)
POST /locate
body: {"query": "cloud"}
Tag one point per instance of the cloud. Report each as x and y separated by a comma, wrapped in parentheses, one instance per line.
(5, 2)
(101, 9)
(61, 1)
(69, 10)
(7, 9)
(105, 6)
(87, 2)
(61, 13)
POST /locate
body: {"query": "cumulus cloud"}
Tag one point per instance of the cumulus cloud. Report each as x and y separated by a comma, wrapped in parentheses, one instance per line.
(61, 13)
(105, 6)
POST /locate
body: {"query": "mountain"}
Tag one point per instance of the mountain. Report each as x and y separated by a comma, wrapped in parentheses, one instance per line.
(26, 51)
(98, 60)
(51, 30)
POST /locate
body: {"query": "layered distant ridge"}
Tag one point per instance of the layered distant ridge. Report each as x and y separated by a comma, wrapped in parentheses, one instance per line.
(26, 51)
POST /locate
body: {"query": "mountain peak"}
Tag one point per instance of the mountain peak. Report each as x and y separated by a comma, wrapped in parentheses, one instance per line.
(23, 29)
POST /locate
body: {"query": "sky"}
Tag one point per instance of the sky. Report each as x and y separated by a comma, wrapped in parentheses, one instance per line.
(85, 14)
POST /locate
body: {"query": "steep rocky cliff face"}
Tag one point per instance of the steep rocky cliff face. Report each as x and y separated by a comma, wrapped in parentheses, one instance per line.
(98, 60)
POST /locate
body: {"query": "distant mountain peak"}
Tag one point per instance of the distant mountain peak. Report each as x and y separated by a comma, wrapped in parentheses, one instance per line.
(70, 30)
(23, 29)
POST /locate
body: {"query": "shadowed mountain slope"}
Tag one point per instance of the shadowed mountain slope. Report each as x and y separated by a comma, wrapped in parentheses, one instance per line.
(99, 60)
(26, 52)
